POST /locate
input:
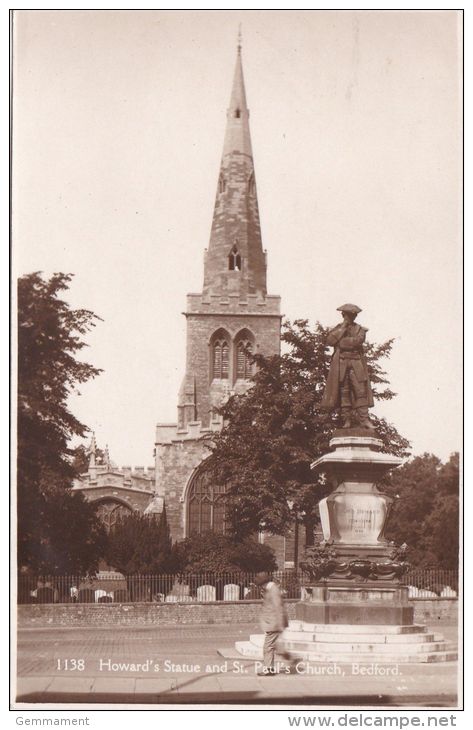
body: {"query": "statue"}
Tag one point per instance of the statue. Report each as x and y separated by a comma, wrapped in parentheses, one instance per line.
(348, 385)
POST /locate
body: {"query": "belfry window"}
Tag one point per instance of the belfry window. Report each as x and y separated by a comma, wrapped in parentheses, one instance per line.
(220, 359)
(205, 506)
(234, 260)
(244, 365)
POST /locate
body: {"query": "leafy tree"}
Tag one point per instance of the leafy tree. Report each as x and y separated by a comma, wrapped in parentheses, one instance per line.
(425, 513)
(81, 457)
(274, 432)
(141, 544)
(212, 552)
(73, 538)
(49, 338)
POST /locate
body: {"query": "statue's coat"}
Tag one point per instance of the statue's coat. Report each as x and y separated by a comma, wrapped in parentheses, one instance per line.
(354, 342)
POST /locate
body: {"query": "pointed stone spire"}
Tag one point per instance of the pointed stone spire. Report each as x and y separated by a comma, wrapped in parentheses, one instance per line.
(92, 459)
(92, 450)
(235, 262)
(237, 134)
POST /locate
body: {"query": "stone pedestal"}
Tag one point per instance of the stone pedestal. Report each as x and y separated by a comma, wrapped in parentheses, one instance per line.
(332, 603)
(354, 515)
(355, 608)
(355, 573)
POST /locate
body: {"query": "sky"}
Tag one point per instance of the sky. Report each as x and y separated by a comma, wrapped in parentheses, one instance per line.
(355, 117)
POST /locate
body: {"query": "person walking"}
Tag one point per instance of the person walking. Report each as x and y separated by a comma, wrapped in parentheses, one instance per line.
(273, 620)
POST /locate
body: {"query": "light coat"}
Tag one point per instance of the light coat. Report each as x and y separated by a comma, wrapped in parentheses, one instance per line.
(273, 615)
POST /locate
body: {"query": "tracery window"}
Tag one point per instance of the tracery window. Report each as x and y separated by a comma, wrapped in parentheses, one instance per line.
(205, 506)
(110, 512)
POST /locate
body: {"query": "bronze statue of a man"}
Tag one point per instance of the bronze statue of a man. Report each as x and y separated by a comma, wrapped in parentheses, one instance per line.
(348, 385)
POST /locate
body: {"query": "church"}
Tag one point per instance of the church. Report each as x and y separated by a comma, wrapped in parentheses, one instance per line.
(232, 316)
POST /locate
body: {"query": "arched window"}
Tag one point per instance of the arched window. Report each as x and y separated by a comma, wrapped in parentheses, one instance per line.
(244, 365)
(220, 358)
(110, 512)
(252, 184)
(205, 505)
(234, 259)
(222, 186)
(237, 114)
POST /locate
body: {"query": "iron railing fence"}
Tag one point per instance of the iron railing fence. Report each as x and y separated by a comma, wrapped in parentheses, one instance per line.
(442, 582)
(111, 587)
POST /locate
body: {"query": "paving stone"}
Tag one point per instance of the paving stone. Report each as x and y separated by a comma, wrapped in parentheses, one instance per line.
(116, 685)
(71, 684)
(158, 685)
(203, 683)
(26, 685)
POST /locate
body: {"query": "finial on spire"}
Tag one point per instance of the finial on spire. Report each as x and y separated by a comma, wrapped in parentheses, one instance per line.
(239, 39)
(92, 450)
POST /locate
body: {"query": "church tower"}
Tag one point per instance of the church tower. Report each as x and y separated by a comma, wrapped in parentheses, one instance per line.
(233, 315)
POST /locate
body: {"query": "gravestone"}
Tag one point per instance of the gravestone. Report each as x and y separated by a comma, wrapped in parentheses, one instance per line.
(206, 594)
(231, 592)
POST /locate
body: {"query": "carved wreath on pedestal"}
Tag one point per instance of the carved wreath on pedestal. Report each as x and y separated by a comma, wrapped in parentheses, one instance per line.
(320, 561)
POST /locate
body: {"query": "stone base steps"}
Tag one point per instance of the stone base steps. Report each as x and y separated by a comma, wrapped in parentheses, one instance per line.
(343, 643)
(251, 651)
(380, 640)
(295, 625)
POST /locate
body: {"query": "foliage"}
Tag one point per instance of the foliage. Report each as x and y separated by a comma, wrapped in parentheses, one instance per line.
(274, 432)
(49, 338)
(81, 458)
(141, 544)
(213, 552)
(425, 514)
(73, 538)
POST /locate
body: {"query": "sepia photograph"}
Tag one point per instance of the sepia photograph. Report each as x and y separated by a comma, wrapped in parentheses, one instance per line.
(236, 275)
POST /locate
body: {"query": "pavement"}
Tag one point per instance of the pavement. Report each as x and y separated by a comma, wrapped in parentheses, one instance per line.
(181, 665)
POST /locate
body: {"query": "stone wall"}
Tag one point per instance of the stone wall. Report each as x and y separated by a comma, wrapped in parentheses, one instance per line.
(176, 462)
(431, 612)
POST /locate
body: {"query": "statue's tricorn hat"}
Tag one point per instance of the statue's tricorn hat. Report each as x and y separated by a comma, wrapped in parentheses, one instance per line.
(349, 308)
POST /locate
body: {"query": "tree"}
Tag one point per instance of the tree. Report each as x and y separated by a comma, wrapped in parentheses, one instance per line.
(141, 544)
(425, 513)
(49, 338)
(73, 539)
(212, 552)
(273, 433)
(81, 458)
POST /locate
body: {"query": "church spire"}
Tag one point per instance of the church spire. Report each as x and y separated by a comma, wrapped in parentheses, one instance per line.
(235, 262)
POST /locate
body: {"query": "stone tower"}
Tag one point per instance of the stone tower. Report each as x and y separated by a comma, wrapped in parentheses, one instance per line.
(230, 317)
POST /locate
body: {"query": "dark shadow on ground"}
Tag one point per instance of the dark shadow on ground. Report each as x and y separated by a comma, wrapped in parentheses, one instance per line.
(236, 698)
